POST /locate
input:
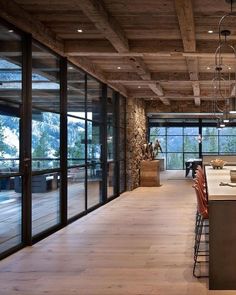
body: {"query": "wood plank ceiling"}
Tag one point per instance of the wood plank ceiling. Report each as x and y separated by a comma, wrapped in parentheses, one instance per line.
(146, 49)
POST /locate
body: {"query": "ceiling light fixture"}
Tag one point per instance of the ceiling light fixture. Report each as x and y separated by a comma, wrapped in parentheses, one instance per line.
(10, 31)
(118, 68)
(80, 31)
(210, 32)
(223, 80)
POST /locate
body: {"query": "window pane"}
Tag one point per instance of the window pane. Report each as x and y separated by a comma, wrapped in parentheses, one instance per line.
(45, 79)
(10, 65)
(76, 141)
(9, 140)
(10, 213)
(76, 191)
(191, 144)
(227, 144)
(175, 161)
(10, 115)
(94, 99)
(45, 201)
(174, 130)
(228, 131)
(209, 131)
(210, 144)
(94, 141)
(75, 91)
(110, 142)
(111, 179)
(45, 140)
(191, 130)
(174, 143)
(94, 185)
(157, 131)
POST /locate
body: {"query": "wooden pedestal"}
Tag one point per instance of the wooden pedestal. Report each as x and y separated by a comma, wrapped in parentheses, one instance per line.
(150, 173)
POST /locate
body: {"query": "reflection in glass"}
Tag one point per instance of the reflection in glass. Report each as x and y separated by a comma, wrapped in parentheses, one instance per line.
(45, 201)
(94, 99)
(10, 214)
(75, 91)
(94, 141)
(45, 79)
(94, 185)
(110, 143)
(10, 100)
(9, 141)
(76, 141)
(76, 191)
(110, 179)
(45, 140)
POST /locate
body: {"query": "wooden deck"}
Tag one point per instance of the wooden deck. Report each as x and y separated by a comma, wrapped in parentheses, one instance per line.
(138, 244)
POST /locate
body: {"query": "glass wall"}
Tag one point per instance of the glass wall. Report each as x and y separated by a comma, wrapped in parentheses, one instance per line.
(95, 127)
(59, 131)
(76, 141)
(10, 125)
(45, 139)
(111, 136)
(181, 141)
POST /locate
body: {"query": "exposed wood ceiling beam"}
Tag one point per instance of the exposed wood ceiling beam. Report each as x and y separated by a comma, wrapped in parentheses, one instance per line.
(233, 91)
(140, 67)
(142, 48)
(184, 11)
(192, 65)
(132, 78)
(157, 89)
(97, 13)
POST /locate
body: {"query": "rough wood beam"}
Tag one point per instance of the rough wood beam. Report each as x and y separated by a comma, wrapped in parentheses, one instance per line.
(95, 10)
(140, 67)
(192, 65)
(157, 89)
(197, 101)
(196, 88)
(13, 13)
(184, 11)
(233, 91)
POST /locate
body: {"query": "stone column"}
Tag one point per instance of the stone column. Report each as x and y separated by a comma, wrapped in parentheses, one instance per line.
(136, 125)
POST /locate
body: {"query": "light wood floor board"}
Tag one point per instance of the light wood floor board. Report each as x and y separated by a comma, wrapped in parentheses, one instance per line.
(138, 244)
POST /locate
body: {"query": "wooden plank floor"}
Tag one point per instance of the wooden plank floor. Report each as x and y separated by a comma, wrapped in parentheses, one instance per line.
(140, 243)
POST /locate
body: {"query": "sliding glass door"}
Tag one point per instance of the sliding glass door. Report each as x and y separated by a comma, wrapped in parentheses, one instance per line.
(45, 184)
(11, 168)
